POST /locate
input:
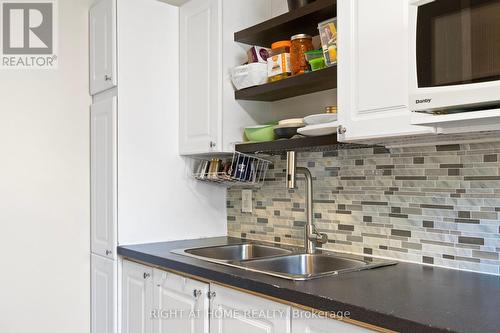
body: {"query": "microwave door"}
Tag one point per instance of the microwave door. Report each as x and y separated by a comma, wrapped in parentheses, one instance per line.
(454, 54)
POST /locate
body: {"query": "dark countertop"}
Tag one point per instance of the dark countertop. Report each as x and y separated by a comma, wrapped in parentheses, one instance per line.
(405, 297)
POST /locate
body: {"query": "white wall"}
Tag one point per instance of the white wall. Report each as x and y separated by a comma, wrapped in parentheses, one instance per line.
(157, 198)
(44, 188)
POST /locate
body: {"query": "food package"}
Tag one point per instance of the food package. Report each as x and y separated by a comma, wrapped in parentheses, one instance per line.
(328, 35)
(258, 54)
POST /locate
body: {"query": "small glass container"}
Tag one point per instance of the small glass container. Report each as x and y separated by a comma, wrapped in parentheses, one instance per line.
(301, 44)
(331, 109)
(278, 64)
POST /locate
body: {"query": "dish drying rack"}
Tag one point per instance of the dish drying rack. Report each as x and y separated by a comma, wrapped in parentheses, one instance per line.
(241, 169)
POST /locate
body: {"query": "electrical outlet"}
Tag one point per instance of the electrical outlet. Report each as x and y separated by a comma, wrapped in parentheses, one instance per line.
(246, 201)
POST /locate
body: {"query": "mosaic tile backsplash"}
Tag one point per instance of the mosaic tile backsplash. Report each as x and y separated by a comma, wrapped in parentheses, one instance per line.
(436, 205)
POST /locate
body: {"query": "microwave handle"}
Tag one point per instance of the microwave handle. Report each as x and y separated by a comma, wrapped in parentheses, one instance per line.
(420, 2)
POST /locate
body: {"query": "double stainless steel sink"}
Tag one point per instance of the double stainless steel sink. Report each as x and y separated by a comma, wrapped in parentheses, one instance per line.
(283, 262)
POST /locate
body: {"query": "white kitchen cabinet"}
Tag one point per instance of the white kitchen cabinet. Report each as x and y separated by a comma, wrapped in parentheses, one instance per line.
(104, 295)
(181, 304)
(102, 46)
(200, 76)
(373, 64)
(303, 323)
(133, 129)
(103, 177)
(211, 120)
(137, 298)
(265, 316)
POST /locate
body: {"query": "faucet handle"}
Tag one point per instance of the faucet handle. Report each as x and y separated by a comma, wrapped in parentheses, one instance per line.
(322, 238)
(318, 237)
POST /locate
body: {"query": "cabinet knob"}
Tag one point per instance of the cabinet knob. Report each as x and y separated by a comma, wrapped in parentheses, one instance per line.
(108, 252)
(107, 78)
(212, 144)
(146, 275)
(211, 294)
(341, 129)
(197, 293)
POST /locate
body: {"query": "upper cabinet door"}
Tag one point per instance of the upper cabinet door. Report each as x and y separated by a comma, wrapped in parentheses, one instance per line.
(137, 298)
(103, 178)
(174, 293)
(225, 300)
(102, 46)
(373, 70)
(104, 300)
(200, 77)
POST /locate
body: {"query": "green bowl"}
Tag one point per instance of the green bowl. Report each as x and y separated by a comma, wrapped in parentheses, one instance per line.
(260, 133)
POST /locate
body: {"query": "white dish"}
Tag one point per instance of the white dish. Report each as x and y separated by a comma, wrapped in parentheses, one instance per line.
(290, 125)
(322, 118)
(293, 121)
(320, 129)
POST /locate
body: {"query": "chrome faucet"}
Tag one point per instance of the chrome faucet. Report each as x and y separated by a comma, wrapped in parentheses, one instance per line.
(312, 237)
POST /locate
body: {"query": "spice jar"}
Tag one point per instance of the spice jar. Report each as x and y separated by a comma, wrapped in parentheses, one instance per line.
(331, 109)
(278, 64)
(301, 44)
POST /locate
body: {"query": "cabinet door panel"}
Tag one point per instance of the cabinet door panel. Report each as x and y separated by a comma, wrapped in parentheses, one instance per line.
(184, 302)
(373, 69)
(137, 298)
(102, 46)
(228, 301)
(302, 324)
(200, 79)
(103, 295)
(103, 177)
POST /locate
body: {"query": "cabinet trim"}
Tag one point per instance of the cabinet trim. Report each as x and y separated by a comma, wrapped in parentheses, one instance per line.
(270, 298)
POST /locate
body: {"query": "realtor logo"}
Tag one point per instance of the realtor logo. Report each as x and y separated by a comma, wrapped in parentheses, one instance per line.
(28, 34)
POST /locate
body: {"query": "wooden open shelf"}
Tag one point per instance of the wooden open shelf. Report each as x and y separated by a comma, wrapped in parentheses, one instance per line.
(284, 145)
(301, 144)
(300, 21)
(323, 79)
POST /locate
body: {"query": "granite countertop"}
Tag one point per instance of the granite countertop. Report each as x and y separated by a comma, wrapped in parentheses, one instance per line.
(405, 297)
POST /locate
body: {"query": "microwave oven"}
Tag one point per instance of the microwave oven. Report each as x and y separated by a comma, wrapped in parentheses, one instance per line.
(454, 55)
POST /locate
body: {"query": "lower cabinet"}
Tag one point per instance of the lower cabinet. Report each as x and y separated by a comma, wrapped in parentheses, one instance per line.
(180, 304)
(162, 302)
(303, 323)
(104, 295)
(237, 312)
(137, 298)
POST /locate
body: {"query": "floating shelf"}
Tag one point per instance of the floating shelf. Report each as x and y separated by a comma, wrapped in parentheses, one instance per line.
(323, 79)
(311, 144)
(300, 21)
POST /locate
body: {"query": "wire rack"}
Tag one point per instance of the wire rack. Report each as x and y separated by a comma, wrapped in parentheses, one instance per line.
(241, 169)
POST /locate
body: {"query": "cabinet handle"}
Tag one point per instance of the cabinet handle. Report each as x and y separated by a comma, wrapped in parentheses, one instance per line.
(108, 252)
(107, 77)
(211, 294)
(212, 144)
(197, 293)
(146, 275)
(341, 129)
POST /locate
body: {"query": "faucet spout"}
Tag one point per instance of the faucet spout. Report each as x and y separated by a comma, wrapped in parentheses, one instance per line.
(311, 235)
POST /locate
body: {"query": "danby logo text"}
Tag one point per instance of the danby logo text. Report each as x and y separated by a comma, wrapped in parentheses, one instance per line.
(420, 101)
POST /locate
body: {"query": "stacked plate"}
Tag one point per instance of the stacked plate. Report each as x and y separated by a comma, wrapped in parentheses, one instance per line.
(288, 128)
(319, 125)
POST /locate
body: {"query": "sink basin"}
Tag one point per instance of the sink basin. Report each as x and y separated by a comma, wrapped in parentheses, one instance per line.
(237, 252)
(306, 266)
(287, 263)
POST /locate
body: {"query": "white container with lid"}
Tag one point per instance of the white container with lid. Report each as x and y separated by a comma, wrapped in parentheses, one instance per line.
(250, 75)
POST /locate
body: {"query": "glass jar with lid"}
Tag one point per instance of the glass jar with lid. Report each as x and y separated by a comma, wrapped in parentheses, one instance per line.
(301, 44)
